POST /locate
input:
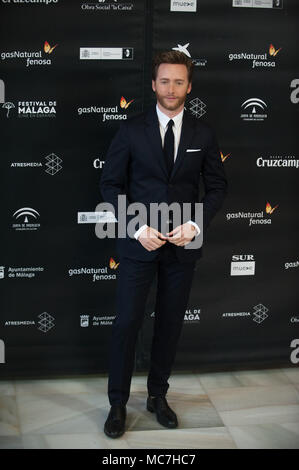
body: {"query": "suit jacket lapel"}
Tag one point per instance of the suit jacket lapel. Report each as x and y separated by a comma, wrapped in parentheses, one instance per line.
(187, 133)
(152, 130)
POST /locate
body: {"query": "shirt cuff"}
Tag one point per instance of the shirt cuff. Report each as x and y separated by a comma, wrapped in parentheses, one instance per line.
(136, 235)
(196, 227)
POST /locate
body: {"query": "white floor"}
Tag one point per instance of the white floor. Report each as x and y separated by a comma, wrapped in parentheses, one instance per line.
(232, 410)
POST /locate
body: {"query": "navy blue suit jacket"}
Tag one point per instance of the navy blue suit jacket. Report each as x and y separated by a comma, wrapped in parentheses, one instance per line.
(135, 166)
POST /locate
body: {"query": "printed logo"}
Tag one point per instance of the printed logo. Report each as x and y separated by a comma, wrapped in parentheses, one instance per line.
(183, 5)
(43, 2)
(258, 315)
(224, 157)
(277, 161)
(258, 3)
(255, 218)
(96, 320)
(8, 105)
(46, 322)
(197, 108)
(27, 213)
(253, 107)
(124, 104)
(269, 209)
(21, 272)
(201, 62)
(27, 108)
(113, 264)
(84, 321)
(106, 53)
(102, 217)
(191, 316)
(183, 49)
(108, 5)
(32, 58)
(242, 265)
(48, 49)
(32, 109)
(51, 166)
(291, 264)
(98, 164)
(257, 60)
(108, 113)
(272, 51)
(98, 274)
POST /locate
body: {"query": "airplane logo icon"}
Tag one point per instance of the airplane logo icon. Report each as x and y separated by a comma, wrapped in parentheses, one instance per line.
(182, 49)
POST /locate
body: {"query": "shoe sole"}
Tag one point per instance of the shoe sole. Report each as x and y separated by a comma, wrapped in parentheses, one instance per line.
(114, 436)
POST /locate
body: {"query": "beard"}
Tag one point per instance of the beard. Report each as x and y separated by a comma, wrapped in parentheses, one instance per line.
(170, 105)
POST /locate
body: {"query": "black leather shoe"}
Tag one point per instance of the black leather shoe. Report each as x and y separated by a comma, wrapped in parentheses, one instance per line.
(164, 413)
(115, 423)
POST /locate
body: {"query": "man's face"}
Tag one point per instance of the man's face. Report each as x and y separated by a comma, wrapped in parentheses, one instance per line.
(171, 86)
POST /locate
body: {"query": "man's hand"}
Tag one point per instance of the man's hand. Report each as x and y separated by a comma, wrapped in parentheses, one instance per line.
(181, 235)
(150, 239)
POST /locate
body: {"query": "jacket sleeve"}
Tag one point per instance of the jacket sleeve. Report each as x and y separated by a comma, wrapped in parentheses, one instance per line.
(215, 181)
(115, 172)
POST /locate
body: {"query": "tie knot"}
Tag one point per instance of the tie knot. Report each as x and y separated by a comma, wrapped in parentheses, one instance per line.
(170, 124)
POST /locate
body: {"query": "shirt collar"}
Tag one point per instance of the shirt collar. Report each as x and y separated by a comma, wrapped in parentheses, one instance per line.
(163, 118)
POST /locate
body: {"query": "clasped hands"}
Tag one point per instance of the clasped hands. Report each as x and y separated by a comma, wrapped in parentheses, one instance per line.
(151, 239)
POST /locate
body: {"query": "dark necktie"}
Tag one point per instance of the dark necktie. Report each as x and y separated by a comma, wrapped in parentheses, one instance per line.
(169, 146)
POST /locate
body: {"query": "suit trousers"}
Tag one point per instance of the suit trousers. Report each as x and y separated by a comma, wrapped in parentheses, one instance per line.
(174, 280)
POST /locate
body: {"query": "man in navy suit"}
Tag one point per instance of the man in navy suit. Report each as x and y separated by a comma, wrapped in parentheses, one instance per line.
(161, 156)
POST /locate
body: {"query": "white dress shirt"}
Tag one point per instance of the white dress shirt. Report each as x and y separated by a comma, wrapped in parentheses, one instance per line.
(177, 127)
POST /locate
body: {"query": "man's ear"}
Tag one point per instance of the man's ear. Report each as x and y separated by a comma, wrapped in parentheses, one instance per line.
(153, 85)
(189, 88)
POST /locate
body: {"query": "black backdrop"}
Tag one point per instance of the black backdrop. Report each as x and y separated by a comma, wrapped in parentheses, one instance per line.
(65, 65)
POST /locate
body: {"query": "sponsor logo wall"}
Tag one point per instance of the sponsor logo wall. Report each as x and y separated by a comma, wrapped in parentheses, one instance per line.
(65, 87)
